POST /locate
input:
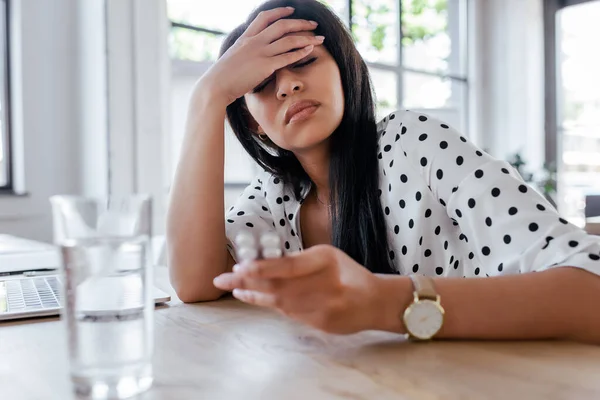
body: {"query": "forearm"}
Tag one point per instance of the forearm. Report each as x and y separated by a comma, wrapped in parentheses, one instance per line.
(558, 303)
(195, 224)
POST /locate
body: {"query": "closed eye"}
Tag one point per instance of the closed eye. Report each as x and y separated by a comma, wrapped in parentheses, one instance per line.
(260, 87)
(304, 64)
(264, 84)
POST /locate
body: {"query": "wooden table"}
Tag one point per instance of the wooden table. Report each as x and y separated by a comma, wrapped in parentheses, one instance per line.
(228, 350)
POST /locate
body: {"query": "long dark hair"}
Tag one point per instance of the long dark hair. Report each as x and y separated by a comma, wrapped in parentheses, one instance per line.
(358, 224)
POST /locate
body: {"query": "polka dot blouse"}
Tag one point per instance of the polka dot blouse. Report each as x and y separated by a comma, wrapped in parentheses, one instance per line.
(450, 208)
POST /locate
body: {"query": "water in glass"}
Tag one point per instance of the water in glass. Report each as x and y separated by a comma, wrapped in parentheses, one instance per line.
(109, 315)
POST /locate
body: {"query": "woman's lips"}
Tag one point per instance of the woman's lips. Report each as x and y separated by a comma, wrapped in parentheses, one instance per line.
(304, 114)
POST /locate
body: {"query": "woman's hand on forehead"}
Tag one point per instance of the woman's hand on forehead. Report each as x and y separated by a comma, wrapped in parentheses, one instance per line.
(271, 42)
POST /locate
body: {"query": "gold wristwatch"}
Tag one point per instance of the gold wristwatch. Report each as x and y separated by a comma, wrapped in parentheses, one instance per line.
(424, 317)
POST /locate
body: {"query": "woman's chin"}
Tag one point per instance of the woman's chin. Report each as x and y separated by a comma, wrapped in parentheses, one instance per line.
(308, 140)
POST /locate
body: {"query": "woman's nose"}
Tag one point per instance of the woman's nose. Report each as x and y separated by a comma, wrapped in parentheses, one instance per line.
(287, 87)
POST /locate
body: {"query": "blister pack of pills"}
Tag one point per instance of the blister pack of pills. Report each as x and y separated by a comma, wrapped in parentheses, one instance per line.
(249, 248)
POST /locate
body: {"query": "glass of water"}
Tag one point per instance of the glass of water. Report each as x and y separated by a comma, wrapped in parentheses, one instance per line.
(105, 245)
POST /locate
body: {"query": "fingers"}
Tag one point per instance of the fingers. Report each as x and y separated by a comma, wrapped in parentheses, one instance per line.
(266, 18)
(275, 300)
(284, 26)
(229, 281)
(297, 296)
(286, 59)
(255, 298)
(291, 266)
(288, 43)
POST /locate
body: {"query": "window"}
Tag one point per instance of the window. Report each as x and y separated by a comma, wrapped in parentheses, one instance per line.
(427, 72)
(578, 108)
(5, 153)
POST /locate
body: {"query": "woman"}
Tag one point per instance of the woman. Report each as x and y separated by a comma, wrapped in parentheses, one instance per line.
(361, 205)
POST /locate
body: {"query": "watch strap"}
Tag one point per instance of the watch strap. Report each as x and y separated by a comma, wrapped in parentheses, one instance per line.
(424, 287)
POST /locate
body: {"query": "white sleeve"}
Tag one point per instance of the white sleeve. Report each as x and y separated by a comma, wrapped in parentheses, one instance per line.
(509, 226)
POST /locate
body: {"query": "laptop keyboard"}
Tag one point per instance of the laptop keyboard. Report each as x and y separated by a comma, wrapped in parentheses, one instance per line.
(32, 294)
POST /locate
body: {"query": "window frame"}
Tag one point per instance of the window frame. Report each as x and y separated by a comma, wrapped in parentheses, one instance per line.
(6, 106)
(400, 70)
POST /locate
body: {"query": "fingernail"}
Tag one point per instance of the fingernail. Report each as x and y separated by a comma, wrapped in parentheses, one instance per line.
(315, 23)
(321, 38)
(241, 267)
(218, 280)
(290, 8)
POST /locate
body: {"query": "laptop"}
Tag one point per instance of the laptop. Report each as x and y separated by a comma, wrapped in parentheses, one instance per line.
(30, 285)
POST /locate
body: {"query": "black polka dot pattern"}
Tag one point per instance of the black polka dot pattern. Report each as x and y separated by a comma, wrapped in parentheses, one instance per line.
(430, 178)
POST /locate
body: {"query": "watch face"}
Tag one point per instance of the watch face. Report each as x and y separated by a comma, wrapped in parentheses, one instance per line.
(424, 318)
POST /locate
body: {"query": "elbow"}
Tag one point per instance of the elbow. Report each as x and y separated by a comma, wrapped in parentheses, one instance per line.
(190, 296)
(194, 293)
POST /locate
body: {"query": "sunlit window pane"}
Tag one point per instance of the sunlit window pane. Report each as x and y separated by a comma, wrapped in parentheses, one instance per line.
(432, 31)
(579, 109)
(385, 86)
(3, 177)
(3, 107)
(217, 15)
(442, 97)
(425, 91)
(186, 44)
(375, 30)
(340, 7)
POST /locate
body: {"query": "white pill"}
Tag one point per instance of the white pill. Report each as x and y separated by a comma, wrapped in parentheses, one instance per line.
(270, 240)
(271, 252)
(245, 239)
(246, 254)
